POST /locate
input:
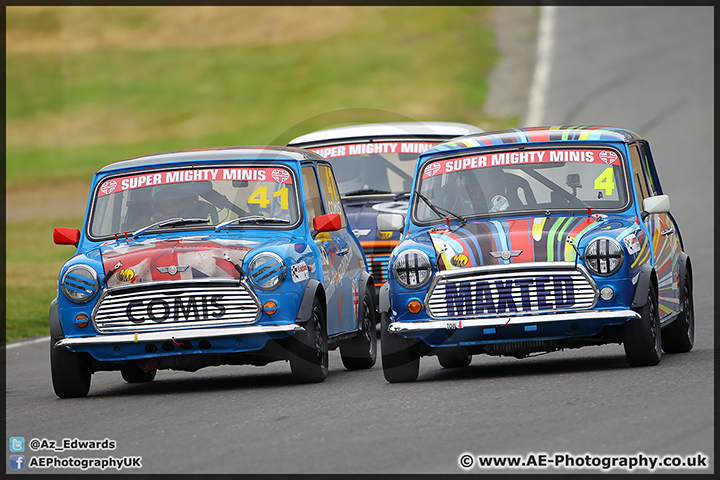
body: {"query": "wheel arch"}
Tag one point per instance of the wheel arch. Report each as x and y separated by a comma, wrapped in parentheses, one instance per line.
(646, 278)
(384, 298)
(366, 284)
(313, 289)
(56, 331)
(685, 266)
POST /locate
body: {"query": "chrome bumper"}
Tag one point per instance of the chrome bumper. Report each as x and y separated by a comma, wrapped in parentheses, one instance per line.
(184, 334)
(455, 324)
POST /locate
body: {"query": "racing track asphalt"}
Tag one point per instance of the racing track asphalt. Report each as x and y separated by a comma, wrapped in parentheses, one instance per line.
(649, 69)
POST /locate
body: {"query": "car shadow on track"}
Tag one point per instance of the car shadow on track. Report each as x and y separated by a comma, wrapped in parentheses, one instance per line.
(505, 367)
(179, 382)
(222, 378)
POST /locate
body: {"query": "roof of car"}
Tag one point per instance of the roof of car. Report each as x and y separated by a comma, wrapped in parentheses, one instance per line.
(553, 133)
(218, 153)
(390, 129)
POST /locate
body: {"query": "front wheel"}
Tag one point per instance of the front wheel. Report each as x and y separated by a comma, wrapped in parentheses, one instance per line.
(679, 336)
(70, 372)
(642, 336)
(361, 351)
(309, 349)
(400, 358)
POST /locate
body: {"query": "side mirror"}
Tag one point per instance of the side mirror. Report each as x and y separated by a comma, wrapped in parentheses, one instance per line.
(66, 236)
(327, 223)
(656, 204)
(390, 221)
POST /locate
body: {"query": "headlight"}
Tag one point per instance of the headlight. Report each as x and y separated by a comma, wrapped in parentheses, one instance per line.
(604, 256)
(412, 268)
(267, 270)
(79, 283)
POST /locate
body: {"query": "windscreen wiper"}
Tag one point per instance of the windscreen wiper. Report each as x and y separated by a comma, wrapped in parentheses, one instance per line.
(250, 219)
(171, 222)
(364, 191)
(437, 209)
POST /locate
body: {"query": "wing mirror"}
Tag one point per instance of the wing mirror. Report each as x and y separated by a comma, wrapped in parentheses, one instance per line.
(390, 222)
(66, 236)
(327, 223)
(656, 204)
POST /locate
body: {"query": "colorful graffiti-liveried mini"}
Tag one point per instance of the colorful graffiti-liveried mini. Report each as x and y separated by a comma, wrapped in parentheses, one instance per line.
(238, 255)
(535, 240)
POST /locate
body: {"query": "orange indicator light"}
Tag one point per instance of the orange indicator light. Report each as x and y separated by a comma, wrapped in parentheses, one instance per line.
(270, 307)
(414, 306)
(82, 320)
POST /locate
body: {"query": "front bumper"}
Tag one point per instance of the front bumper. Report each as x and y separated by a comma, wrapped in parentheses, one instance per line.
(396, 327)
(478, 331)
(139, 345)
(186, 334)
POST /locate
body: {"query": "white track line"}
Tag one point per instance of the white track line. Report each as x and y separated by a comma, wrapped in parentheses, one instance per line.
(22, 343)
(541, 76)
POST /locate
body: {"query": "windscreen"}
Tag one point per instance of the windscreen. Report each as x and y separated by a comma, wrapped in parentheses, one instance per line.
(374, 167)
(214, 194)
(522, 180)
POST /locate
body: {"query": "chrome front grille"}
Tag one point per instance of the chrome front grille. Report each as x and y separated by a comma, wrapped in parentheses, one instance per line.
(511, 289)
(175, 305)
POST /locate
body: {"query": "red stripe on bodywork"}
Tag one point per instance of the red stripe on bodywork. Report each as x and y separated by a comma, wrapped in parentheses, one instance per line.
(519, 232)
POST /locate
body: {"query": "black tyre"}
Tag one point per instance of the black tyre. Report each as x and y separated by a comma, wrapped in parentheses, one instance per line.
(309, 350)
(642, 336)
(400, 358)
(454, 358)
(361, 351)
(133, 374)
(70, 372)
(679, 336)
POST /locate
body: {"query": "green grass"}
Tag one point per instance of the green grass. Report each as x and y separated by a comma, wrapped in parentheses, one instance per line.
(31, 275)
(69, 114)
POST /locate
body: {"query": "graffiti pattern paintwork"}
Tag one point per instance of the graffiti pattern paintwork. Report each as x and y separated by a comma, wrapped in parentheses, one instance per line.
(537, 134)
(509, 258)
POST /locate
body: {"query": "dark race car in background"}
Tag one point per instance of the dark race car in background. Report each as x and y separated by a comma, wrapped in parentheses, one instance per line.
(534, 240)
(374, 165)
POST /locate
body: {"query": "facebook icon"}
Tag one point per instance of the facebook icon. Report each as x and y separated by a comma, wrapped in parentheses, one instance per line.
(17, 462)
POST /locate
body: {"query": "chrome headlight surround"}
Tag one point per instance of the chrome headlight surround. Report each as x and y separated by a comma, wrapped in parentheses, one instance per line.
(412, 268)
(79, 283)
(604, 256)
(267, 270)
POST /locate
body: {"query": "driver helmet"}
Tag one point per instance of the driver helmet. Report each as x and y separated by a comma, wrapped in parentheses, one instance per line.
(467, 181)
(173, 200)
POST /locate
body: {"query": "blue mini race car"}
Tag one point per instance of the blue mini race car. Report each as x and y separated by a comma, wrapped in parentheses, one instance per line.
(237, 255)
(534, 240)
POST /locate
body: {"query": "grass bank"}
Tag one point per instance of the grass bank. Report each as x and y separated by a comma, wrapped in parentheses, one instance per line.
(87, 86)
